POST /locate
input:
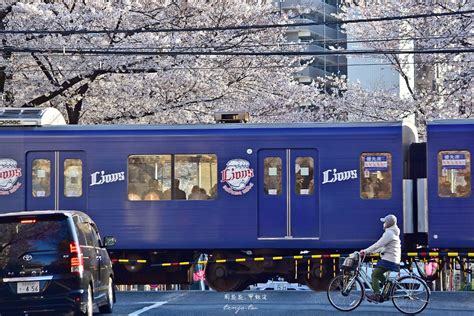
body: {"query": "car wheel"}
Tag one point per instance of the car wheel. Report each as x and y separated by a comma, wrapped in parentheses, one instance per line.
(90, 303)
(107, 308)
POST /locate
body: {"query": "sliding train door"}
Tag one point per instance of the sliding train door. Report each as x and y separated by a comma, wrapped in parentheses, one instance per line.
(287, 200)
(56, 180)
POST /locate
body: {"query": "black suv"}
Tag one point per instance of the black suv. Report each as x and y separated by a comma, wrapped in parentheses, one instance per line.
(54, 262)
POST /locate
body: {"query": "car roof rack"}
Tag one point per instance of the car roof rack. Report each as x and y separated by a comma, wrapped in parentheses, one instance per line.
(30, 117)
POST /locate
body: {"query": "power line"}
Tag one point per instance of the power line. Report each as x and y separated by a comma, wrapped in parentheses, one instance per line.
(454, 50)
(144, 70)
(306, 43)
(229, 28)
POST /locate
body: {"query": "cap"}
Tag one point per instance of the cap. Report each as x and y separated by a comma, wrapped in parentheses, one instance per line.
(389, 220)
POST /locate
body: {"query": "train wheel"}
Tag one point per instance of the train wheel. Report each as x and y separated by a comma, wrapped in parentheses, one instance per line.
(222, 277)
(133, 267)
(318, 284)
(319, 278)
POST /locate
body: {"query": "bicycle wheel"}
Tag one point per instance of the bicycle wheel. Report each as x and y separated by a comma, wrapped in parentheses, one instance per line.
(410, 294)
(345, 293)
(434, 274)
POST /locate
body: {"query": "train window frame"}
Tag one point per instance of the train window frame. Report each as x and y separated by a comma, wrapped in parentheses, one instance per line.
(47, 175)
(376, 175)
(466, 176)
(164, 191)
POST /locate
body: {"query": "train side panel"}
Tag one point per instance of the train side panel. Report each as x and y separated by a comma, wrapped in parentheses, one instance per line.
(342, 219)
(450, 199)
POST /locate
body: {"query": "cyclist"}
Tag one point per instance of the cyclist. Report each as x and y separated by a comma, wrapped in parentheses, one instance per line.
(389, 247)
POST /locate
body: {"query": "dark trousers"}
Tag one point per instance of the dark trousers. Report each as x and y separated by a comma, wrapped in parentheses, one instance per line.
(378, 278)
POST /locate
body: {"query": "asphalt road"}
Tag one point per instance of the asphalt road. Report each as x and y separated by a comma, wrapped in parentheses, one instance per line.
(272, 303)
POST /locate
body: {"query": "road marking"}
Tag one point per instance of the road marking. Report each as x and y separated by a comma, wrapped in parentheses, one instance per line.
(141, 311)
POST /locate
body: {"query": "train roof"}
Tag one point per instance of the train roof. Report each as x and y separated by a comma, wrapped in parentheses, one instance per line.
(209, 126)
(24, 121)
(227, 129)
(452, 122)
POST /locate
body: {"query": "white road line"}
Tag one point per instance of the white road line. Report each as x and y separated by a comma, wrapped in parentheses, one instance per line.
(140, 311)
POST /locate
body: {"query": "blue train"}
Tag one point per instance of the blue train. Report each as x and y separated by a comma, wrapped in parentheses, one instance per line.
(170, 193)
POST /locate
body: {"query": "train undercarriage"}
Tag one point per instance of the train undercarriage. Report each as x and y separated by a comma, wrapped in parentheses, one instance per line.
(232, 270)
(222, 273)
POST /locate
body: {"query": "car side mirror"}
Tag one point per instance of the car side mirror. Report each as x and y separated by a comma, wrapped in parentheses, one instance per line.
(109, 241)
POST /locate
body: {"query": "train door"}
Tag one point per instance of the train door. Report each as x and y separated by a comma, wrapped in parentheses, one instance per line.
(288, 202)
(56, 180)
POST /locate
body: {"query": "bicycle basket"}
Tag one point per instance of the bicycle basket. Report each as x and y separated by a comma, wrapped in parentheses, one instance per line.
(349, 264)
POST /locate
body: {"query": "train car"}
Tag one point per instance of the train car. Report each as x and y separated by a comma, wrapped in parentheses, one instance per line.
(449, 215)
(170, 193)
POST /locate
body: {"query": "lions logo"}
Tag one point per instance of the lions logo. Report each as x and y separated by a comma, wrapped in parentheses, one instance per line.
(237, 175)
(9, 175)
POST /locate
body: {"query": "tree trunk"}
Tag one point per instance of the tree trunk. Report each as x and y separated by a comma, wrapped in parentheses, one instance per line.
(5, 95)
(74, 112)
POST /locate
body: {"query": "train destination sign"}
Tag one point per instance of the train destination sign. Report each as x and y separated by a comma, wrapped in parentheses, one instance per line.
(454, 161)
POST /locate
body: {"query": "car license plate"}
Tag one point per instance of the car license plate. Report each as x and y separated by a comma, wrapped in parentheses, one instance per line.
(27, 287)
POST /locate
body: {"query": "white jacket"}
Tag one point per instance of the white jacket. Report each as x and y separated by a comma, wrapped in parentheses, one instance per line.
(389, 245)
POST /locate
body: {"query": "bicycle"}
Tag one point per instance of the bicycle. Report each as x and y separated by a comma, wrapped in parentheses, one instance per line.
(409, 293)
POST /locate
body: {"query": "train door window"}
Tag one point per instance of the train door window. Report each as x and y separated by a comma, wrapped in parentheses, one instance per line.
(72, 177)
(41, 178)
(376, 179)
(273, 176)
(149, 177)
(454, 173)
(304, 170)
(195, 177)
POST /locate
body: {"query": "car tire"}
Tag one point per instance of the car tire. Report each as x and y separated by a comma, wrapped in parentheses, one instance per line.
(90, 303)
(108, 307)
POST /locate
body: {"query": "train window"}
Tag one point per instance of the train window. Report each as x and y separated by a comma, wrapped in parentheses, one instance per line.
(195, 177)
(376, 179)
(273, 176)
(304, 184)
(454, 173)
(41, 178)
(149, 176)
(72, 177)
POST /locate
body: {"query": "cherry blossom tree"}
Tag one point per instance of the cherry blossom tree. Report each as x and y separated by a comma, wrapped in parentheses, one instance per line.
(174, 88)
(93, 88)
(437, 85)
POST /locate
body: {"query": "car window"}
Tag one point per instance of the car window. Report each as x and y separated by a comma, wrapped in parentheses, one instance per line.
(80, 231)
(96, 236)
(21, 235)
(86, 230)
(90, 236)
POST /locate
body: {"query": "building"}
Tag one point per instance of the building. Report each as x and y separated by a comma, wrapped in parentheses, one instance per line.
(373, 73)
(317, 38)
